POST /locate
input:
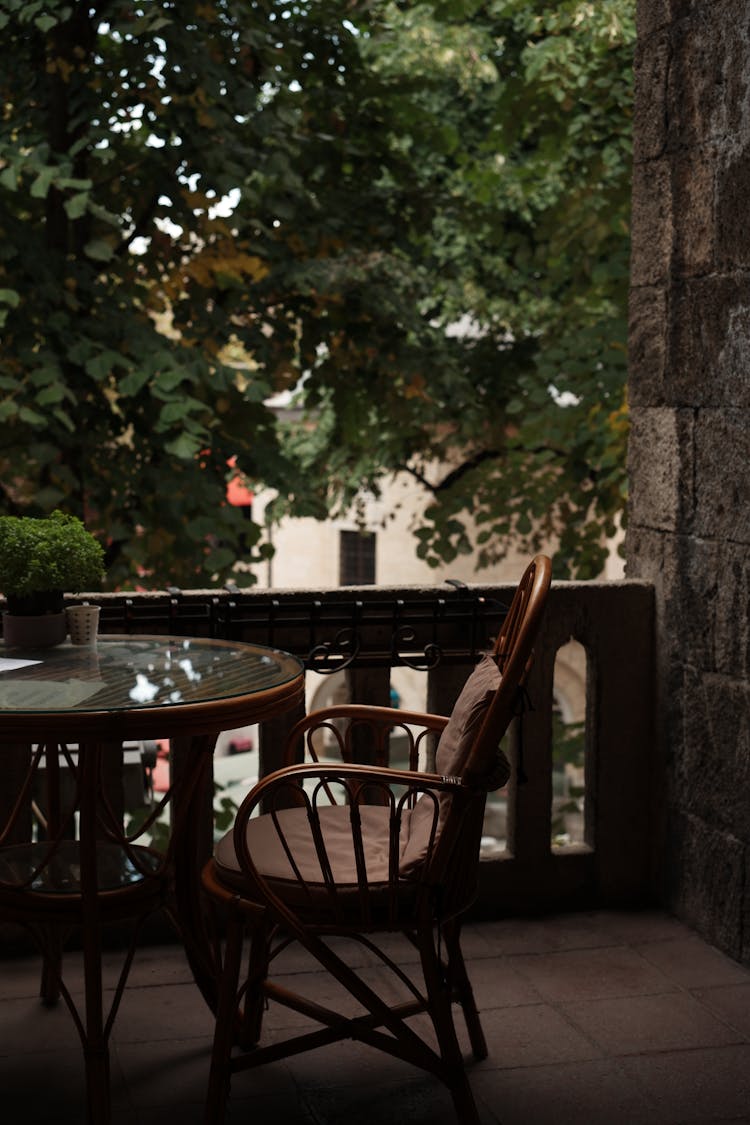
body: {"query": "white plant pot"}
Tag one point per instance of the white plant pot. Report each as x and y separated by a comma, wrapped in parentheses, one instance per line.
(83, 623)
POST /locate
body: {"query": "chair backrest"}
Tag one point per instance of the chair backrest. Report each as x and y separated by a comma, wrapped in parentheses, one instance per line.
(469, 747)
(513, 654)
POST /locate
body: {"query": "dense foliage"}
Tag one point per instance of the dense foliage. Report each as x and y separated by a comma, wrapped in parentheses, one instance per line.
(43, 555)
(420, 208)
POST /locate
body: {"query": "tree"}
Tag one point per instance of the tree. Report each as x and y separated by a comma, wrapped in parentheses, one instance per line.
(201, 203)
(502, 386)
(122, 132)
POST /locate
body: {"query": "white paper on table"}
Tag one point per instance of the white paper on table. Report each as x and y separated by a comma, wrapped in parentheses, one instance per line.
(46, 695)
(7, 664)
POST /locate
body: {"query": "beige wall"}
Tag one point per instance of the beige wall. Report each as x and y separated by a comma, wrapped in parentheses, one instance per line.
(307, 550)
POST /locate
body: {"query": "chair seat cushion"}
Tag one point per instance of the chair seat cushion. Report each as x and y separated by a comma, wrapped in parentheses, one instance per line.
(270, 849)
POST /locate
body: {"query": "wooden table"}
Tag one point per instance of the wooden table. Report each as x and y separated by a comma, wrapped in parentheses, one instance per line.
(124, 688)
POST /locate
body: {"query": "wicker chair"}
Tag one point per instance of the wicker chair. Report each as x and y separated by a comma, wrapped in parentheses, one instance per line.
(360, 851)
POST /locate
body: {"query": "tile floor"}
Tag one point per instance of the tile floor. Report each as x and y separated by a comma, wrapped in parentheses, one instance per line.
(598, 1018)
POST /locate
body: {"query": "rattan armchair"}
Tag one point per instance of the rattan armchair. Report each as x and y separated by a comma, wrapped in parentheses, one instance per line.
(321, 850)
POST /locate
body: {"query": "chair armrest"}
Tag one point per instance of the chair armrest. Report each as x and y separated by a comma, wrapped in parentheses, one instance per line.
(398, 870)
(343, 723)
(364, 775)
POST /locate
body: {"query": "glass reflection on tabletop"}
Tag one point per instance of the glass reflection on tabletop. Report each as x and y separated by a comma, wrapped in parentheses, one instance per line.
(131, 672)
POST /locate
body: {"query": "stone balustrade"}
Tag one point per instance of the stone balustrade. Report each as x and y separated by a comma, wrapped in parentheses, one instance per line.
(362, 634)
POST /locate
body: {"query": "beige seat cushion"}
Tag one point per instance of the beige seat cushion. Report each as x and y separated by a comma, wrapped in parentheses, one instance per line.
(271, 858)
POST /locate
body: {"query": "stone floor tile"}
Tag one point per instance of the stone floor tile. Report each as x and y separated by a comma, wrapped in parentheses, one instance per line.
(584, 930)
(422, 1101)
(348, 1064)
(168, 1071)
(324, 989)
(496, 983)
(19, 977)
(190, 1114)
(629, 927)
(172, 1011)
(476, 941)
(730, 1003)
(533, 1035)
(695, 1086)
(27, 1027)
(596, 1092)
(691, 963)
(591, 974)
(163, 964)
(636, 1024)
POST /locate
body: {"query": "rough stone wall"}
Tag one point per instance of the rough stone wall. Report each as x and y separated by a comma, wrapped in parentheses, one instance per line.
(689, 456)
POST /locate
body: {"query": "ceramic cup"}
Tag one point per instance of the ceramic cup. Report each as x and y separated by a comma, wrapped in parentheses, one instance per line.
(83, 623)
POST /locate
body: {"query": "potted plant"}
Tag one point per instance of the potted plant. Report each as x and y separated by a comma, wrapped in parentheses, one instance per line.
(41, 559)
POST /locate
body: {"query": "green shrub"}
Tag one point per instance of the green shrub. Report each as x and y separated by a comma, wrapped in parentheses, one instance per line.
(52, 553)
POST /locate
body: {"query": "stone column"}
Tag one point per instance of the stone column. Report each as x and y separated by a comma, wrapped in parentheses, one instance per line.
(689, 457)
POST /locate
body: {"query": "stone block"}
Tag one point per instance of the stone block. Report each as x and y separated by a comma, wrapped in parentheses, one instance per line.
(651, 223)
(703, 880)
(687, 608)
(722, 475)
(647, 346)
(708, 355)
(697, 102)
(651, 68)
(732, 624)
(651, 16)
(711, 774)
(644, 553)
(654, 556)
(735, 35)
(732, 228)
(660, 465)
(706, 600)
(693, 211)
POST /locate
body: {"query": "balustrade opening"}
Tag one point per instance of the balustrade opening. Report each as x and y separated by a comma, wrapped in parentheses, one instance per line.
(569, 746)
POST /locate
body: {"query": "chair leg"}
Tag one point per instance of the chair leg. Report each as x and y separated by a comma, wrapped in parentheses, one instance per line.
(459, 977)
(225, 1028)
(50, 941)
(254, 998)
(463, 1101)
(440, 1008)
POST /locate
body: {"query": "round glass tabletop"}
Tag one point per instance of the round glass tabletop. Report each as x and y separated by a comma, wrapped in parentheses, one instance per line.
(128, 674)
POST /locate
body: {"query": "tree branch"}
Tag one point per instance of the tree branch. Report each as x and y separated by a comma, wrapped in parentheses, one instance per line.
(472, 463)
(455, 474)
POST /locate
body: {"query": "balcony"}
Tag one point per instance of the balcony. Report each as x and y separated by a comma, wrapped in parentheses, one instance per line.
(597, 1004)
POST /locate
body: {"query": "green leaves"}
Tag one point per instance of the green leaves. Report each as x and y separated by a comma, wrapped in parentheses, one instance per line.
(416, 215)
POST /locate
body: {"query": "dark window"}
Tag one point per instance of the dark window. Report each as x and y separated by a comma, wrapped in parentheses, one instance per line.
(357, 558)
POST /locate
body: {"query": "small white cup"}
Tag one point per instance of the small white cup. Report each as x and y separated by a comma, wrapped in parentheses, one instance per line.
(83, 623)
